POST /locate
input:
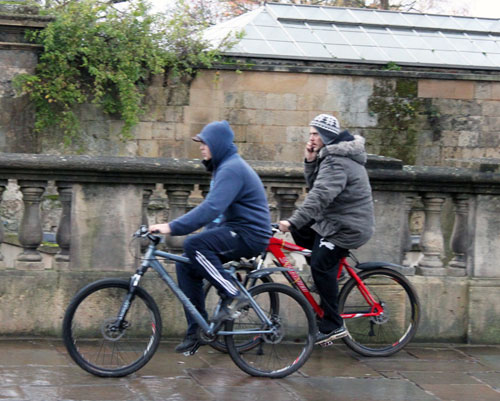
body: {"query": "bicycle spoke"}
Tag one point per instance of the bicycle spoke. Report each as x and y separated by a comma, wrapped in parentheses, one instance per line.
(289, 343)
(98, 342)
(389, 331)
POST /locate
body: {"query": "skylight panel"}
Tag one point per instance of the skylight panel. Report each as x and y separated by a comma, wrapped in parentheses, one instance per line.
(476, 58)
(301, 35)
(314, 50)
(354, 35)
(285, 11)
(343, 52)
(398, 55)
(435, 41)
(285, 48)
(330, 36)
(274, 33)
(425, 56)
(333, 14)
(382, 38)
(257, 47)
(371, 53)
(409, 39)
(487, 46)
(264, 19)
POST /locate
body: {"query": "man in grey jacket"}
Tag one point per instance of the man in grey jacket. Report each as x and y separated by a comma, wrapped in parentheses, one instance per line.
(336, 215)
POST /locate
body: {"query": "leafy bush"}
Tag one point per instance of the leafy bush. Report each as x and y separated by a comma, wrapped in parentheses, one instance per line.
(101, 53)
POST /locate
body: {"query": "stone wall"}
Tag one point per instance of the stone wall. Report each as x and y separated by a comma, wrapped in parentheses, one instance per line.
(269, 111)
(421, 116)
(17, 57)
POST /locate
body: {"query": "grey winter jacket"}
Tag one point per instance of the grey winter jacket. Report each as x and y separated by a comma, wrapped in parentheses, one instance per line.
(339, 198)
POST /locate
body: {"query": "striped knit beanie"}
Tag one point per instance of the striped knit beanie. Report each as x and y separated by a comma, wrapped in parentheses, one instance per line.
(328, 127)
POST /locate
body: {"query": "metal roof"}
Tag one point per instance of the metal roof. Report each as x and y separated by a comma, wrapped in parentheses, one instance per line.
(289, 31)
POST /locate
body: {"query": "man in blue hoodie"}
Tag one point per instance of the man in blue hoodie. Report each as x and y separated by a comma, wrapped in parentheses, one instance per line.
(238, 198)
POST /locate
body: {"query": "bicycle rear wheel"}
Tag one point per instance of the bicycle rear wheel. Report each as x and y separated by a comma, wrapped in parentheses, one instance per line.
(212, 298)
(290, 344)
(388, 333)
(95, 343)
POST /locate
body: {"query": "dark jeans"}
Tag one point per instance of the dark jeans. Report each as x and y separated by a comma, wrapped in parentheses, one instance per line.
(207, 252)
(324, 264)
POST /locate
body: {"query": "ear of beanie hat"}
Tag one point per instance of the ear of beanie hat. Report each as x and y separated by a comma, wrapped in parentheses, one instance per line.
(328, 127)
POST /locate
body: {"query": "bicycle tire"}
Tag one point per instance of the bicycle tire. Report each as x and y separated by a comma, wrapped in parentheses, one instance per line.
(219, 343)
(93, 343)
(388, 333)
(289, 347)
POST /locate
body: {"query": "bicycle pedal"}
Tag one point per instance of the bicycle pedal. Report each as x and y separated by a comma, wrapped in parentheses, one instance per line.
(193, 350)
(327, 344)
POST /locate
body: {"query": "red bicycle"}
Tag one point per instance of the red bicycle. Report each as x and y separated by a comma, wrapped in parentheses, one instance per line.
(380, 307)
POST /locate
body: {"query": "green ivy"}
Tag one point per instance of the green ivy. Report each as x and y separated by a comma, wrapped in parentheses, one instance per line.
(96, 52)
(397, 107)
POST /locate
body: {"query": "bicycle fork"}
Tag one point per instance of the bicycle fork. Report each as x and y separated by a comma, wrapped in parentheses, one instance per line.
(133, 284)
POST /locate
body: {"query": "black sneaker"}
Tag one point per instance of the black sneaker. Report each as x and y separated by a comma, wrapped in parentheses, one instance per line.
(339, 332)
(187, 344)
(230, 307)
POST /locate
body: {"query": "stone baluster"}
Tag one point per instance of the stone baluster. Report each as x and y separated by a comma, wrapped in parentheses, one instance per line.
(205, 189)
(431, 241)
(285, 199)
(178, 195)
(3, 184)
(30, 232)
(406, 243)
(146, 196)
(63, 235)
(459, 237)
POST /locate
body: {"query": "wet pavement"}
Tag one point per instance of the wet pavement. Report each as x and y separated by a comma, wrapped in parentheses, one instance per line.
(41, 370)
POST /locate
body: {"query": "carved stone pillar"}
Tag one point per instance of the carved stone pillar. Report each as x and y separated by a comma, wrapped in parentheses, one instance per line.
(3, 184)
(63, 235)
(406, 244)
(432, 242)
(178, 196)
(459, 237)
(205, 189)
(146, 195)
(30, 231)
(285, 199)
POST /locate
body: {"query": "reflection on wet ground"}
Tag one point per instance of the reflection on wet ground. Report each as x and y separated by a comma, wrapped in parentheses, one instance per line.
(41, 370)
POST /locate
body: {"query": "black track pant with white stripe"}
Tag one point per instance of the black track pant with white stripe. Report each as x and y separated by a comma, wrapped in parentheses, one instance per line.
(207, 252)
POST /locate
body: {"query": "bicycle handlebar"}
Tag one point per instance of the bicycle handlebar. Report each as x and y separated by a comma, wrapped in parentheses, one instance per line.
(143, 232)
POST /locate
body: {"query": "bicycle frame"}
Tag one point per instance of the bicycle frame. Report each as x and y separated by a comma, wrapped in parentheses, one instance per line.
(276, 247)
(150, 260)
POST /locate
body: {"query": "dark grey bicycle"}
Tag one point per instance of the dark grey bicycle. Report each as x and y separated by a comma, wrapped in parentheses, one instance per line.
(112, 327)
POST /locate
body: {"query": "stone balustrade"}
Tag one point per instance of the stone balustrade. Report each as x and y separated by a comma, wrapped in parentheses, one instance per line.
(83, 182)
(104, 199)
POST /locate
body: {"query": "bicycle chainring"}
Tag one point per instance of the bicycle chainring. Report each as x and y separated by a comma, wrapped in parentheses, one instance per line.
(204, 338)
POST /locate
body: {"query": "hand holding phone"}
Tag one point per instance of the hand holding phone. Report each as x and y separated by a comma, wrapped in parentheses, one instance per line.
(310, 152)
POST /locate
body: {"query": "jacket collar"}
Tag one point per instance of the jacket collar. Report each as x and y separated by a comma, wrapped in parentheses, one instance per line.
(354, 150)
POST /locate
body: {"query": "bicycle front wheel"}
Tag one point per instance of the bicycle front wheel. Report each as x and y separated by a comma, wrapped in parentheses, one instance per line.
(389, 332)
(290, 341)
(96, 343)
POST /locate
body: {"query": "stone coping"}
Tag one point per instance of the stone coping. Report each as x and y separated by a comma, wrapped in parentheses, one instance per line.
(23, 19)
(385, 173)
(356, 69)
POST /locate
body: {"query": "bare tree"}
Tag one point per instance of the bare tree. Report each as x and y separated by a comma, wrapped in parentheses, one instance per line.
(215, 11)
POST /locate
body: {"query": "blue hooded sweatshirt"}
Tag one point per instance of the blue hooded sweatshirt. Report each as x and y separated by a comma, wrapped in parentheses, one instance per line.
(237, 191)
